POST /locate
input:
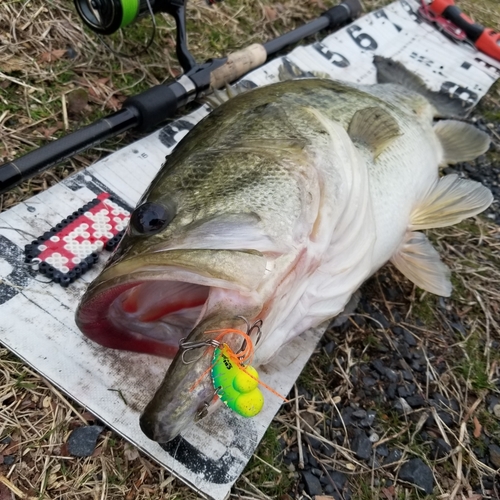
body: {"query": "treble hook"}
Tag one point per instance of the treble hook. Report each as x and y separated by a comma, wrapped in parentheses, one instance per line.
(189, 346)
(250, 330)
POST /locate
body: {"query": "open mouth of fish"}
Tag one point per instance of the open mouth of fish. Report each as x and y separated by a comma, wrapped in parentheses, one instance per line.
(151, 308)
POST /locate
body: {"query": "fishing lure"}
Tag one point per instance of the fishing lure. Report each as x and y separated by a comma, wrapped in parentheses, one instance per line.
(235, 380)
(236, 384)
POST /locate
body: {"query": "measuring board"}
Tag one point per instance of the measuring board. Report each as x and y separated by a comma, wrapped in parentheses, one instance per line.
(37, 317)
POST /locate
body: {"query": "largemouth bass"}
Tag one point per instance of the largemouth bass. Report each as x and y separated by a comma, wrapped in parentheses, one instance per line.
(277, 207)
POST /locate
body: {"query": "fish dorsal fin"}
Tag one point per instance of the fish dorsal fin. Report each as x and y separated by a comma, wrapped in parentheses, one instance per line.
(461, 141)
(449, 201)
(420, 263)
(390, 71)
(221, 96)
(375, 127)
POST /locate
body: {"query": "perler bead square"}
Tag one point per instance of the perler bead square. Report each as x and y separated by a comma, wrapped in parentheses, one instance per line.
(72, 247)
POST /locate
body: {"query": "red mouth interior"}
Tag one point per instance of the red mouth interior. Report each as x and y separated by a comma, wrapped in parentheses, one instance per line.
(149, 317)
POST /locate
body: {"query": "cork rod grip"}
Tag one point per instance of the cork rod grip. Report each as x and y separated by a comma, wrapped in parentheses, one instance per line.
(237, 64)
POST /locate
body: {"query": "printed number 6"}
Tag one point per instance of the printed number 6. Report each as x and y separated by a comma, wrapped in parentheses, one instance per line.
(363, 40)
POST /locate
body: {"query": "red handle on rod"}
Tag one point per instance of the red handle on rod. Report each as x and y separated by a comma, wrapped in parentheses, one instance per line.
(485, 39)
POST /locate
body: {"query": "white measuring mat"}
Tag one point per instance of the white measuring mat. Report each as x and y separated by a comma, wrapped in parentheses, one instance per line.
(37, 318)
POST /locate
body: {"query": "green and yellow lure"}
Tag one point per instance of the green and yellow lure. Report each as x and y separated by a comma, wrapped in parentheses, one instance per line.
(235, 381)
(236, 384)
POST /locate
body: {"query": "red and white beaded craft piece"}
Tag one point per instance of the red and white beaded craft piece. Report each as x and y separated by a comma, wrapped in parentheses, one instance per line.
(71, 247)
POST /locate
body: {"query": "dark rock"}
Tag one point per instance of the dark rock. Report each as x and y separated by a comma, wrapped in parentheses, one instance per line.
(391, 375)
(369, 381)
(359, 413)
(313, 442)
(441, 448)
(362, 446)
(394, 456)
(416, 401)
(403, 392)
(397, 330)
(82, 441)
(338, 478)
(317, 472)
(459, 327)
(446, 418)
(9, 459)
(445, 403)
(379, 366)
(311, 460)
(382, 450)
(391, 391)
(416, 365)
(369, 419)
(418, 473)
(494, 451)
(407, 375)
(290, 457)
(409, 338)
(346, 414)
(304, 393)
(328, 489)
(379, 320)
(360, 320)
(405, 352)
(311, 484)
(330, 347)
(327, 408)
(402, 407)
(327, 449)
(488, 482)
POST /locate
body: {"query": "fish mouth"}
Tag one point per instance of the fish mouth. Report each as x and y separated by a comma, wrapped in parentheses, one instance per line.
(187, 392)
(149, 303)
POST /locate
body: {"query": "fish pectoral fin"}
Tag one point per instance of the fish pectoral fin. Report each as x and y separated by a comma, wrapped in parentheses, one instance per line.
(461, 141)
(449, 201)
(375, 127)
(420, 263)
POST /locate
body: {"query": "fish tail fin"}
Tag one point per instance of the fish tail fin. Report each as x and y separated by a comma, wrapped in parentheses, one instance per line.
(449, 201)
(461, 141)
(389, 71)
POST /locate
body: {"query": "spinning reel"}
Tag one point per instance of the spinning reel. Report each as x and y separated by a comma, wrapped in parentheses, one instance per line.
(105, 17)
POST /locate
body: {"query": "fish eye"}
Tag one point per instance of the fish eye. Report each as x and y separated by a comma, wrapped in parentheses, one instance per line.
(150, 218)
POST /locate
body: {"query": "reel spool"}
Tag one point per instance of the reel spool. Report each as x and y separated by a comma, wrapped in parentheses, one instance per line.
(106, 17)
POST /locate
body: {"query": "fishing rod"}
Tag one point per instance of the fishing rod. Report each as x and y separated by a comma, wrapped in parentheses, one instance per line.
(150, 108)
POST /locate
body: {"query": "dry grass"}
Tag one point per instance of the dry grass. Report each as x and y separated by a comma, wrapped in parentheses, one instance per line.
(45, 56)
